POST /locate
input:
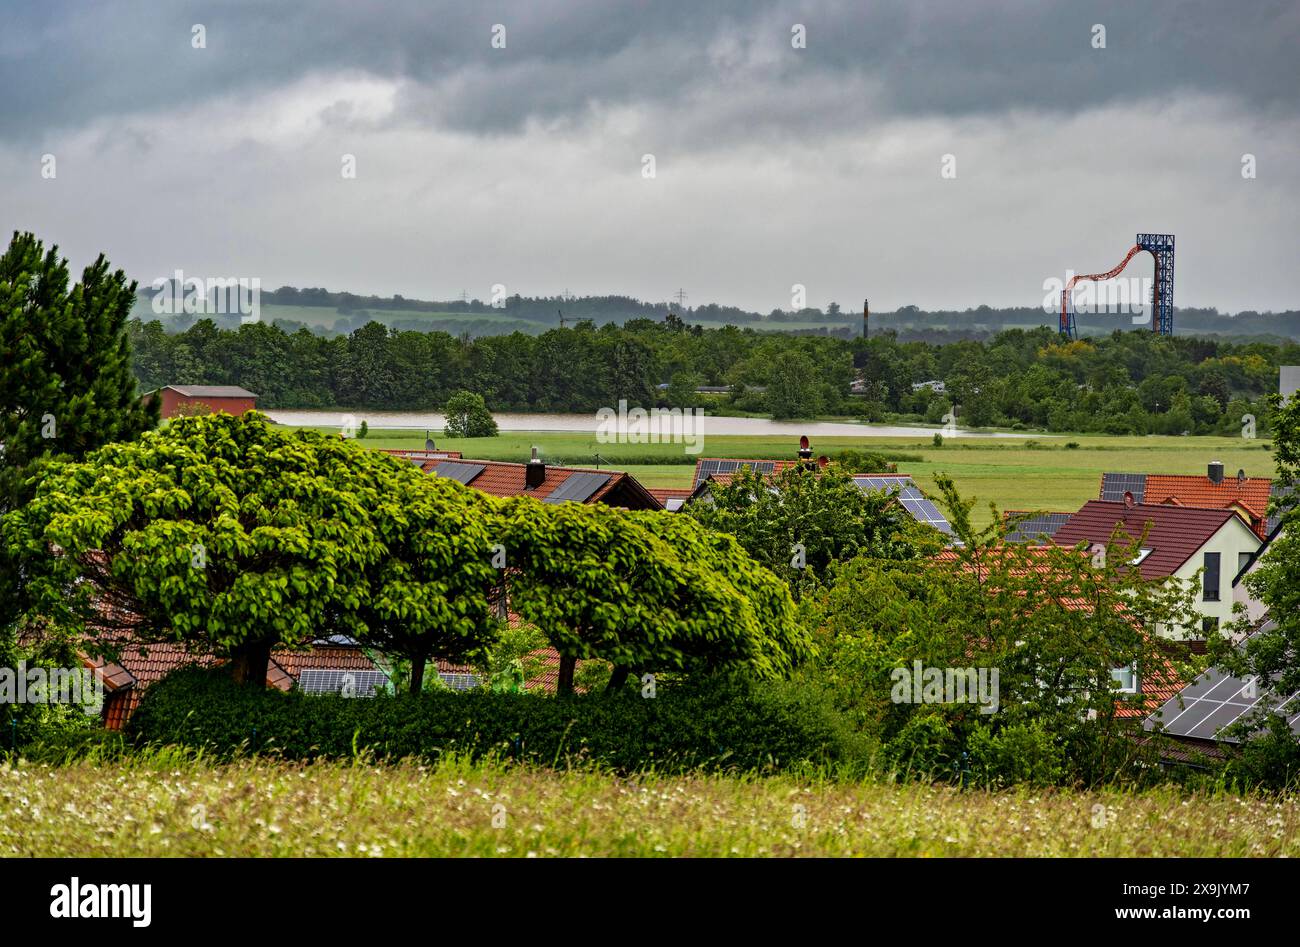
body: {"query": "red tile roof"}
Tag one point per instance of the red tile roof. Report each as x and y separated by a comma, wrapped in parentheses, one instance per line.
(422, 454)
(502, 479)
(700, 477)
(1176, 533)
(670, 493)
(1198, 490)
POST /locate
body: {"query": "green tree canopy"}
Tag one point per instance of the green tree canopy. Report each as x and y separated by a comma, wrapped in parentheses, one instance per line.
(798, 522)
(645, 591)
(230, 536)
(468, 416)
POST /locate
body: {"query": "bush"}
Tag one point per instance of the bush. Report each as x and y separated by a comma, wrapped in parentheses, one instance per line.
(720, 722)
(1019, 753)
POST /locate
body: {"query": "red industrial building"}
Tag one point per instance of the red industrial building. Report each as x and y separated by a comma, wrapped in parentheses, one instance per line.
(204, 399)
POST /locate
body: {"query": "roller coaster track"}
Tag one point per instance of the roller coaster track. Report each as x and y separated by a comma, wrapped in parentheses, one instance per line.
(1161, 247)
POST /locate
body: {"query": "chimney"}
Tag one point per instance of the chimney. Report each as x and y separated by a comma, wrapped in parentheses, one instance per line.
(1128, 499)
(866, 318)
(1241, 477)
(534, 473)
(1215, 471)
(805, 454)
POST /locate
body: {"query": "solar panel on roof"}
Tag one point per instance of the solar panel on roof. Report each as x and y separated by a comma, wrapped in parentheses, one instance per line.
(1115, 485)
(888, 484)
(455, 470)
(1215, 701)
(1276, 491)
(714, 467)
(459, 681)
(1036, 527)
(911, 498)
(330, 681)
(577, 488)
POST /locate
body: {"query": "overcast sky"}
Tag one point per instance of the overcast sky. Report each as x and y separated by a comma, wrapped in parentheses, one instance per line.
(773, 165)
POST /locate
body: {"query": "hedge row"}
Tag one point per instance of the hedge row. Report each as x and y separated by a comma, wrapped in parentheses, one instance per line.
(721, 722)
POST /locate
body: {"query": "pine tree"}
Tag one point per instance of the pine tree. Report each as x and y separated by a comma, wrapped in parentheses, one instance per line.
(66, 385)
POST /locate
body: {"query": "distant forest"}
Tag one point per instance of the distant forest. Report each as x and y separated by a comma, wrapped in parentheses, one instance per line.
(1126, 382)
(345, 312)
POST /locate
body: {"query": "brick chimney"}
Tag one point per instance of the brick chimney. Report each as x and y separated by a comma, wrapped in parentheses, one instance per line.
(535, 472)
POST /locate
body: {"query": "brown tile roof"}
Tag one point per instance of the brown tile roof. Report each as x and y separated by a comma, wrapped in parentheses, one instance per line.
(703, 471)
(1176, 533)
(670, 493)
(503, 479)
(1197, 490)
(422, 454)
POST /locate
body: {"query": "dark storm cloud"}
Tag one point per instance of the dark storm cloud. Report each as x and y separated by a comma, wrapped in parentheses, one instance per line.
(64, 63)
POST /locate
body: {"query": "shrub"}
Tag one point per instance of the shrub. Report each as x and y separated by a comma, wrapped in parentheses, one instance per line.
(1019, 753)
(718, 722)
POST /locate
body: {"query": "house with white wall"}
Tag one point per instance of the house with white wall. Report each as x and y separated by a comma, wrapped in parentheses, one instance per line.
(1203, 549)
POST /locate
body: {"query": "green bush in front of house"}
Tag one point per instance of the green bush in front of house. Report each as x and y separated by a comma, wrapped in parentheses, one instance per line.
(718, 722)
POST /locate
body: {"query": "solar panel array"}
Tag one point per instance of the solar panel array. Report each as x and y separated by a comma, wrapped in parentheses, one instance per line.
(455, 470)
(1215, 701)
(1278, 490)
(1115, 485)
(577, 488)
(1037, 527)
(707, 468)
(459, 681)
(326, 681)
(912, 499)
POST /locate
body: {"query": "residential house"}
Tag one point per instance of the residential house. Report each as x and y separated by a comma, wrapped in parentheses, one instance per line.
(1201, 548)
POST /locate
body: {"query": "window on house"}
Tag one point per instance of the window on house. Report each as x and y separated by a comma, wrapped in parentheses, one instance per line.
(1210, 582)
(1127, 677)
(1243, 558)
(1209, 627)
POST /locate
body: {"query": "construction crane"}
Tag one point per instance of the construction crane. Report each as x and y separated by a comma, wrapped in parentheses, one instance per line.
(1161, 247)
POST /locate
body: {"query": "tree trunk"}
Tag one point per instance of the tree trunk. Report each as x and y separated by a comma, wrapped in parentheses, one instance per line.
(618, 678)
(564, 684)
(417, 674)
(249, 661)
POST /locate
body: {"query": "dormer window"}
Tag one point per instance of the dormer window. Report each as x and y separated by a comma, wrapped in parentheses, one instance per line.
(1141, 557)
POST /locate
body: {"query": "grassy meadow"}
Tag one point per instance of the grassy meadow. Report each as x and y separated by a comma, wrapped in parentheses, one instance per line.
(1030, 474)
(164, 805)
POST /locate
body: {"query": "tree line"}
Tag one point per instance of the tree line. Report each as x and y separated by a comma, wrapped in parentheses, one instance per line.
(1129, 382)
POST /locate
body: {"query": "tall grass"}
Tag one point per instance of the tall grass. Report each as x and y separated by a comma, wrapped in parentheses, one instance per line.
(171, 802)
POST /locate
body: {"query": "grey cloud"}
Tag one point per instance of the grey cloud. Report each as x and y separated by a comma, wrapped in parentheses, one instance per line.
(70, 62)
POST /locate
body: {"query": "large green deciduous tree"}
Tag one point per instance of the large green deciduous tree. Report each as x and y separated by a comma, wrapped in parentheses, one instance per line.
(433, 593)
(645, 591)
(468, 416)
(798, 522)
(231, 536)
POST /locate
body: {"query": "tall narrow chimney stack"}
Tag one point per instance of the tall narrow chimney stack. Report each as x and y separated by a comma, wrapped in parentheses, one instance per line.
(866, 318)
(535, 472)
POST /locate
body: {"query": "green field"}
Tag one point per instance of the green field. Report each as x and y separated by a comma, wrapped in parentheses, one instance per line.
(1035, 474)
(163, 806)
(327, 316)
